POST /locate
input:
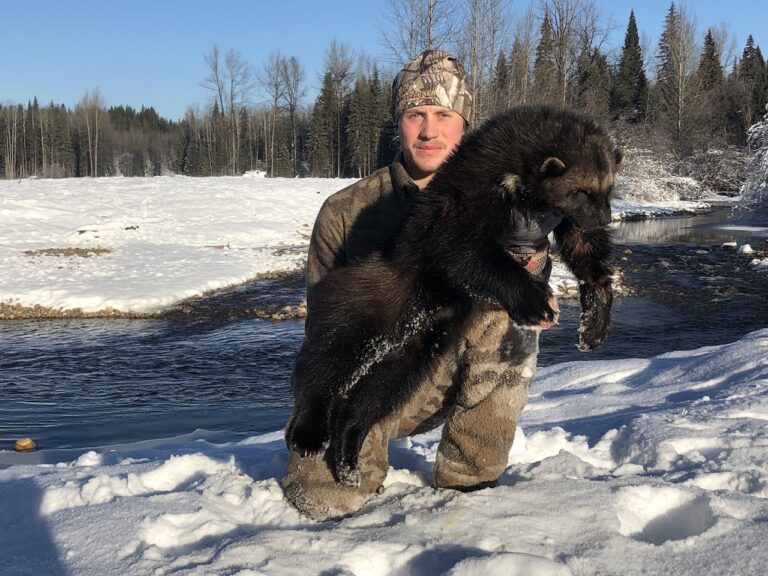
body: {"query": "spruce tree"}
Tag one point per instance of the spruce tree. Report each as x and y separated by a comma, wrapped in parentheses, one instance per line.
(244, 158)
(544, 72)
(593, 84)
(219, 159)
(379, 118)
(666, 53)
(63, 151)
(500, 86)
(321, 132)
(711, 114)
(3, 144)
(519, 74)
(710, 71)
(358, 122)
(630, 90)
(753, 75)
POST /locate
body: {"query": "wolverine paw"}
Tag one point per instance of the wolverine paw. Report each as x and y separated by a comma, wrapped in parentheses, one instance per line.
(595, 323)
(305, 436)
(544, 324)
(348, 475)
(536, 306)
(349, 429)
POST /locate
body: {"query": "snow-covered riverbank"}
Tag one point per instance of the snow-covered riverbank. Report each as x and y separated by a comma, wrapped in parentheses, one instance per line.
(140, 245)
(654, 466)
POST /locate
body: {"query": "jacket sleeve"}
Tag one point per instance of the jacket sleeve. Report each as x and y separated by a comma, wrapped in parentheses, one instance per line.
(327, 250)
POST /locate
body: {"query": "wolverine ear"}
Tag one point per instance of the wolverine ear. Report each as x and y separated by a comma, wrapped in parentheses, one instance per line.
(618, 156)
(552, 167)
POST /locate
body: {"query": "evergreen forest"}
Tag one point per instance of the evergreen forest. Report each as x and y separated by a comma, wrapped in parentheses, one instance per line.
(691, 95)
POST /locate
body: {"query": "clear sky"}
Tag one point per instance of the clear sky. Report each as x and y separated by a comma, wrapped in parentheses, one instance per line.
(150, 53)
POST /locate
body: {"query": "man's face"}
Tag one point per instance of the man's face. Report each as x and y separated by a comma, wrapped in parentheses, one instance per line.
(428, 134)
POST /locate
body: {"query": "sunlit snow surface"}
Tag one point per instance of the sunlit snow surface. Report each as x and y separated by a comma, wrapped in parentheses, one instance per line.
(653, 466)
(169, 237)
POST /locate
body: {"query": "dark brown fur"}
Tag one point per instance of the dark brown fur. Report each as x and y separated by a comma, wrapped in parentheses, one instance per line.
(378, 325)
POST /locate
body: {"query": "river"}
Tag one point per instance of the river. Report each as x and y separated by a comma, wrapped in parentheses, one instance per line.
(82, 383)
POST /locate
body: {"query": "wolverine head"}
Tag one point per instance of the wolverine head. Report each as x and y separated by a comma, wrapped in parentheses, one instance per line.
(564, 163)
(579, 186)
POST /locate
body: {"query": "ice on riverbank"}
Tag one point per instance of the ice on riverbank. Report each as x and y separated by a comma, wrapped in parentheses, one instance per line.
(636, 466)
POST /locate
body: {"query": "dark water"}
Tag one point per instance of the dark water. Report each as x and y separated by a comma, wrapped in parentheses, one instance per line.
(95, 382)
(687, 290)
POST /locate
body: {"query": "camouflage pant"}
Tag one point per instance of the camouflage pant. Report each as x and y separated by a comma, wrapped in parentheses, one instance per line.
(478, 389)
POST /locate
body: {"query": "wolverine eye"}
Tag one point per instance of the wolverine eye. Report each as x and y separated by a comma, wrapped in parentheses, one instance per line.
(578, 192)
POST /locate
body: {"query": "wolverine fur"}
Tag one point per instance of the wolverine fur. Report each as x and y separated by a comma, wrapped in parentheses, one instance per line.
(380, 324)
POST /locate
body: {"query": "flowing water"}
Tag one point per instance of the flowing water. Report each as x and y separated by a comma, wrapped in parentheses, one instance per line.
(95, 382)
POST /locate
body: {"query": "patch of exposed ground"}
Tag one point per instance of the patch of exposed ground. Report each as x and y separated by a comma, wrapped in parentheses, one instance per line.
(271, 296)
(18, 312)
(68, 252)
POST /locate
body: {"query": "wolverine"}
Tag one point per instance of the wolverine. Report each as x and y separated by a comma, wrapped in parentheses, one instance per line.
(384, 321)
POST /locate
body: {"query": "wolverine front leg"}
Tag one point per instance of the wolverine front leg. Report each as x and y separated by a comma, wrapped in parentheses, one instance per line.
(587, 254)
(596, 299)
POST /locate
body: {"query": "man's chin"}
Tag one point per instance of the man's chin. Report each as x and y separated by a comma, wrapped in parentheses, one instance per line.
(429, 164)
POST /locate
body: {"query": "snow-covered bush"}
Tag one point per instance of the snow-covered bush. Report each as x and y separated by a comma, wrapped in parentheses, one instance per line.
(755, 189)
(647, 177)
(720, 170)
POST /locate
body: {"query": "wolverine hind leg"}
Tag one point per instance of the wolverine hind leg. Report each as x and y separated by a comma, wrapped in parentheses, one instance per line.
(387, 386)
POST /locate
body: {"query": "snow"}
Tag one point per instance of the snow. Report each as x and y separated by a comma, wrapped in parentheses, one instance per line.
(622, 209)
(162, 239)
(141, 245)
(759, 264)
(632, 466)
(755, 189)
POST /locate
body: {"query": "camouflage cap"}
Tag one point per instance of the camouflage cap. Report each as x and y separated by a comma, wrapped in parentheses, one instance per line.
(433, 78)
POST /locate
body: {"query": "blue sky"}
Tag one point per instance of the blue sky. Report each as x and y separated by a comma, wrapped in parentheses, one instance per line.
(151, 52)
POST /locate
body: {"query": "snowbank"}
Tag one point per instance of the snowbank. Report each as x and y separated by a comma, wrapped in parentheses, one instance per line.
(653, 466)
(141, 245)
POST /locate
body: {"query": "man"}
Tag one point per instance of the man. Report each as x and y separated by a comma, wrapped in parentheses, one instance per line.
(480, 385)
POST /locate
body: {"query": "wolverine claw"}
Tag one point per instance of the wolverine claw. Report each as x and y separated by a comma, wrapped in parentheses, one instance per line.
(305, 439)
(348, 475)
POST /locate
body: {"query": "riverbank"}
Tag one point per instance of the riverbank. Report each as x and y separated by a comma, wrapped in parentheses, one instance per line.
(144, 247)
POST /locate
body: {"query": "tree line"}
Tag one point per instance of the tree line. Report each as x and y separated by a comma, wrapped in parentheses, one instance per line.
(691, 94)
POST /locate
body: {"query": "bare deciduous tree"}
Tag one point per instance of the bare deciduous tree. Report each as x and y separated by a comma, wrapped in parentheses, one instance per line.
(295, 90)
(338, 63)
(272, 79)
(11, 118)
(89, 109)
(215, 79)
(521, 58)
(678, 59)
(231, 85)
(485, 34)
(411, 26)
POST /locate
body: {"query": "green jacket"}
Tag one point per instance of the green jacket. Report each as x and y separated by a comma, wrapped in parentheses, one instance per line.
(356, 221)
